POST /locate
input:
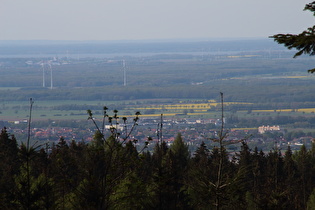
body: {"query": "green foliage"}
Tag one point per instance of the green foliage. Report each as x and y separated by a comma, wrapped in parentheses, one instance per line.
(251, 205)
(9, 167)
(311, 201)
(310, 7)
(132, 193)
(303, 42)
(180, 151)
(200, 188)
(37, 195)
(76, 175)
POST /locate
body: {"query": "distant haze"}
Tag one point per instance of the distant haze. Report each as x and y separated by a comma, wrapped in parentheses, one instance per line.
(148, 19)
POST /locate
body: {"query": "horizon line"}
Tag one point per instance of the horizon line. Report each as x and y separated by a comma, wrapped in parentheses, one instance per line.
(139, 40)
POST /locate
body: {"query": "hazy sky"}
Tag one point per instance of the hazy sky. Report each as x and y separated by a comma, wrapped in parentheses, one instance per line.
(149, 19)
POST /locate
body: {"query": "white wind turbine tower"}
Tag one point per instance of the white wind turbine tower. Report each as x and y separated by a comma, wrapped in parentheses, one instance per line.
(51, 76)
(43, 69)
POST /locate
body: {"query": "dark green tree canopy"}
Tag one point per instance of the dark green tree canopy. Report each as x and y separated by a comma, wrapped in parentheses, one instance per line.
(303, 42)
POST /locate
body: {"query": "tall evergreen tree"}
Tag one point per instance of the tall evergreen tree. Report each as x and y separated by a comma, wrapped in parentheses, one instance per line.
(161, 180)
(65, 171)
(311, 201)
(274, 181)
(198, 180)
(259, 176)
(303, 160)
(243, 180)
(9, 166)
(178, 157)
(291, 181)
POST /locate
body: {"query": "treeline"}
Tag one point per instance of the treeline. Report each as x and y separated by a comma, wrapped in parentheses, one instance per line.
(272, 95)
(110, 174)
(288, 121)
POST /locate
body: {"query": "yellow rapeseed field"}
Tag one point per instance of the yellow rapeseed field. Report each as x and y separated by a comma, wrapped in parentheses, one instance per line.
(306, 110)
(183, 106)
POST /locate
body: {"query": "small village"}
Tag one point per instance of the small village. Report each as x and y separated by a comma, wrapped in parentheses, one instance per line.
(194, 131)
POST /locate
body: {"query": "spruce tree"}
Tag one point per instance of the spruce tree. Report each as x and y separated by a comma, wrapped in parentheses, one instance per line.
(303, 42)
(198, 180)
(291, 181)
(9, 166)
(303, 160)
(178, 156)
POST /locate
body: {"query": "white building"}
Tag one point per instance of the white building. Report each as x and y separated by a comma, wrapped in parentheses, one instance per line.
(263, 129)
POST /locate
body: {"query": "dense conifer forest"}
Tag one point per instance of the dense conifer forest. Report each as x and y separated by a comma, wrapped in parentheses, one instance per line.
(112, 174)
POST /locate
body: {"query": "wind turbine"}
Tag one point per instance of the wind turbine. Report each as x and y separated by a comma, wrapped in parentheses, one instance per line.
(51, 76)
(43, 69)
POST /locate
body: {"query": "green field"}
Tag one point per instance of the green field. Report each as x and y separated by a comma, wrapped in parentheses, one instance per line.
(76, 110)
